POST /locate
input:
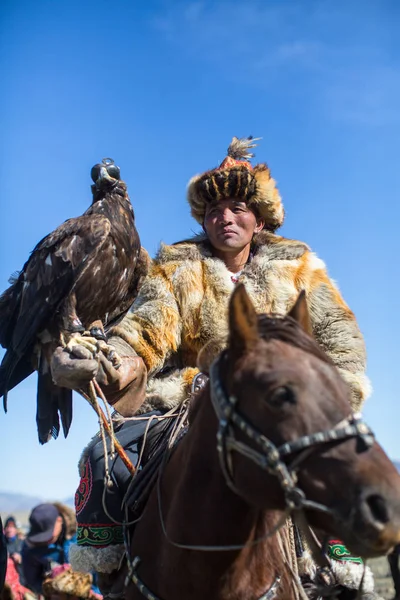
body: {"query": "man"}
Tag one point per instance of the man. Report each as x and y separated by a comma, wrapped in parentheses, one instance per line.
(178, 323)
(3, 556)
(47, 543)
(14, 542)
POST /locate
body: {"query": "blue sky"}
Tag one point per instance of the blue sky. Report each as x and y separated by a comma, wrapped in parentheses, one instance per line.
(161, 87)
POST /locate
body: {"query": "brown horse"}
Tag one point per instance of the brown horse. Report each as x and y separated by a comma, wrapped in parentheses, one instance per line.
(273, 431)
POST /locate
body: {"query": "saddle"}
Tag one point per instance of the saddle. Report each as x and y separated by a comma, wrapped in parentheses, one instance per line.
(159, 439)
(154, 450)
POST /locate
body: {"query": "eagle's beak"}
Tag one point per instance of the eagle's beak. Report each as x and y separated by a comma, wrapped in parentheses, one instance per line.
(103, 177)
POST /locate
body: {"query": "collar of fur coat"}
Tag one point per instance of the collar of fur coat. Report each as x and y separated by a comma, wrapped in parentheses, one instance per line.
(265, 245)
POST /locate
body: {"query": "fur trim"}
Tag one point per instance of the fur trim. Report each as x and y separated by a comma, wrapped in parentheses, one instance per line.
(168, 392)
(86, 453)
(209, 353)
(256, 187)
(348, 574)
(307, 565)
(69, 518)
(73, 583)
(104, 560)
(182, 307)
(360, 387)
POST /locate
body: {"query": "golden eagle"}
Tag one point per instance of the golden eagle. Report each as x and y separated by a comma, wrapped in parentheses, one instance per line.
(81, 277)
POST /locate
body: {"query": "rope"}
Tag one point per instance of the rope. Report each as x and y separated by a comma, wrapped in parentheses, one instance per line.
(294, 579)
(92, 399)
(110, 421)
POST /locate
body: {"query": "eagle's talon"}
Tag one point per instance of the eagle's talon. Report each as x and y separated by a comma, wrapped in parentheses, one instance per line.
(98, 334)
(78, 342)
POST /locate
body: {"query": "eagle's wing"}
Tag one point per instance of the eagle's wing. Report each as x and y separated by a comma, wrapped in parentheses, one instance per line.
(141, 269)
(52, 271)
(29, 305)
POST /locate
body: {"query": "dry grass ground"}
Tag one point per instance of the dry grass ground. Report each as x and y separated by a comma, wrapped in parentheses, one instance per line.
(383, 580)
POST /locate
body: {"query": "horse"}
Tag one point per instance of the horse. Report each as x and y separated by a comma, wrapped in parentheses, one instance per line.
(271, 433)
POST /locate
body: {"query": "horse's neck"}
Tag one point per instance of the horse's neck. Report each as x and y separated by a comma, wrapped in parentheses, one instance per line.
(212, 514)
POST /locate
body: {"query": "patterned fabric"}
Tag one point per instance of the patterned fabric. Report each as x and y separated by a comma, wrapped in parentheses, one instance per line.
(100, 534)
(100, 515)
(338, 551)
(84, 490)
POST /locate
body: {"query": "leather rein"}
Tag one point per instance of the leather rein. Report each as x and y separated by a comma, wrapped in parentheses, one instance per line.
(268, 457)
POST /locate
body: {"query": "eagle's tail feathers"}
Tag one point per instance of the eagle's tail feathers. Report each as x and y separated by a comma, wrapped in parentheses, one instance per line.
(53, 402)
(13, 370)
(65, 409)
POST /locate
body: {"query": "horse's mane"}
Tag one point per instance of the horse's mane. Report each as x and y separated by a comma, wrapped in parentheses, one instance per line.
(286, 329)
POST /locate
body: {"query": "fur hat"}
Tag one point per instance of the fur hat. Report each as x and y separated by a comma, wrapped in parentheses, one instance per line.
(236, 178)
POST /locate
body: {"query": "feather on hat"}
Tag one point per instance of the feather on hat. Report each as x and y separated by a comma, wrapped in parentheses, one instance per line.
(236, 178)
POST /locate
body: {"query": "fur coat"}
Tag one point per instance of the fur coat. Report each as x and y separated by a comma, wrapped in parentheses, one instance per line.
(179, 322)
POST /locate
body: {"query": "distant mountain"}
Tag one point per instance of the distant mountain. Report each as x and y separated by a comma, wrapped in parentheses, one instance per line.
(397, 464)
(10, 502)
(70, 501)
(13, 502)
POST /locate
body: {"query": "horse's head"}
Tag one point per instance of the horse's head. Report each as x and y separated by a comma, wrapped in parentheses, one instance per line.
(273, 387)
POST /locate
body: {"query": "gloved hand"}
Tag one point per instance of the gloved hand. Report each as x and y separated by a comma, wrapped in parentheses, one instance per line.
(124, 388)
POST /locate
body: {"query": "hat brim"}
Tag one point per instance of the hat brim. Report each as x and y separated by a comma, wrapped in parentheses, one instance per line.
(41, 536)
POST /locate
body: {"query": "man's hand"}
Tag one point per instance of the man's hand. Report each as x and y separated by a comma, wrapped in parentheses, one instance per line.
(71, 371)
(17, 558)
(124, 388)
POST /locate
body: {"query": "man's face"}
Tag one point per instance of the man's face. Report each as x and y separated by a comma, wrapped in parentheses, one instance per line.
(10, 531)
(58, 525)
(230, 225)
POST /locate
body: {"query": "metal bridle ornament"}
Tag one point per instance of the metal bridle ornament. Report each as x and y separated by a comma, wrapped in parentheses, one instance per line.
(269, 457)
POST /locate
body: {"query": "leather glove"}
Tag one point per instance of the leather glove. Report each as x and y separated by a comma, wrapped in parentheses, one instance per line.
(124, 388)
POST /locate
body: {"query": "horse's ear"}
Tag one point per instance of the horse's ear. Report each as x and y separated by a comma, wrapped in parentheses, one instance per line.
(243, 330)
(299, 312)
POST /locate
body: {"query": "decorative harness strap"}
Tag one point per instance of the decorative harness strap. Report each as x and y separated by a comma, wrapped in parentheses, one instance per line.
(269, 458)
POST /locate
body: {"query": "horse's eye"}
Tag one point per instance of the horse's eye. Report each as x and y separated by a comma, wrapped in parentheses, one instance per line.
(282, 395)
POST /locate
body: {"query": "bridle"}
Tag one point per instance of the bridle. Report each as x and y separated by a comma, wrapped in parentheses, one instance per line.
(269, 457)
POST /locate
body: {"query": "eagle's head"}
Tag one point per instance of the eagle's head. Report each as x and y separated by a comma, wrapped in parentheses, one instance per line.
(105, 175)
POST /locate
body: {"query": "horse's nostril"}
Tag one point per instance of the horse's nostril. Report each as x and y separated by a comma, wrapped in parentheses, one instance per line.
(378, 508)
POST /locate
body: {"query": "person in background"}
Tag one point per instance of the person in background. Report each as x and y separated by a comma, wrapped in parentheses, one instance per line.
(14, 542)
(45, 555)
(3, 556)
(52, 531)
